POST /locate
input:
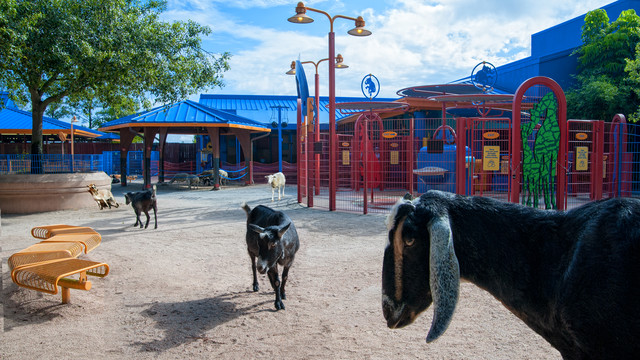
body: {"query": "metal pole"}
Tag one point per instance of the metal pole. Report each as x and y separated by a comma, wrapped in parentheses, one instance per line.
(72, 152)
(279, 139)
(333, 176)
(317, 135)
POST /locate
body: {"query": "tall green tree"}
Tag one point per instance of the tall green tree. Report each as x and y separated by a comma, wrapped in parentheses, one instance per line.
(603, 87)
(107, 49)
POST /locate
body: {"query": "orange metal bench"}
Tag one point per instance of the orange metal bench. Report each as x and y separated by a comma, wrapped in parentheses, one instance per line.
(48, 275)
(53, 262)
(47, 231)
(87, 240)
(44, 252)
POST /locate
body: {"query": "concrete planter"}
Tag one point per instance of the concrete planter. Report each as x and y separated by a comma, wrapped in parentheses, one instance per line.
(26, 194)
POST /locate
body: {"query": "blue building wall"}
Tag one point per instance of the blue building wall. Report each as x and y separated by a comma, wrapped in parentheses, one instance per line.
(551, 51)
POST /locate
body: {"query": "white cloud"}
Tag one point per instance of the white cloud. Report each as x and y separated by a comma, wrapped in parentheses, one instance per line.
(415, 43)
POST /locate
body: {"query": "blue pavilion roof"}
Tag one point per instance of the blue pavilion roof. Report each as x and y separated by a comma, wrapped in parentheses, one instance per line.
(187, 113)
(16, 121)
(259, 107)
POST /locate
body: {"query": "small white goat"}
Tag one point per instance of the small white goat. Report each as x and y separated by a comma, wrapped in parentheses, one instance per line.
(276, 181)
(190, 179)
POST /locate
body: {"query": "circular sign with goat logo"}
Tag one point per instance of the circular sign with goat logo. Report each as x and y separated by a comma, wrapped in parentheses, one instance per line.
(484, 76)
(370, 86)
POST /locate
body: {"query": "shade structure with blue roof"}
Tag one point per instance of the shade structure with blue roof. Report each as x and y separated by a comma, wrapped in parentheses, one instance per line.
(260, 107)
(184, 117)
(16, 121)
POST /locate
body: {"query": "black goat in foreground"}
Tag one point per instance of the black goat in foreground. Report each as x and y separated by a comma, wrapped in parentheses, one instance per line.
(571, 276)
(273, 239)
(143, 201)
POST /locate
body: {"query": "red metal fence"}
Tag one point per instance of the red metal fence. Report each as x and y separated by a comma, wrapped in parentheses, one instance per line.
(416, 155)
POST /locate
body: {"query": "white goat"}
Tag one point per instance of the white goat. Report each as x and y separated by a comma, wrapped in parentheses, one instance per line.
(276, 181)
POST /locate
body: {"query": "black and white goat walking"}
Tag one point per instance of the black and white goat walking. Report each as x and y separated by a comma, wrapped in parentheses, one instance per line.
(273, 239)
(573, 277)
(143, 201)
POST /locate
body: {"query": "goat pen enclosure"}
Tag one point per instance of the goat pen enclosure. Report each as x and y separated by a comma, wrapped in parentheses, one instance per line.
(414, 155)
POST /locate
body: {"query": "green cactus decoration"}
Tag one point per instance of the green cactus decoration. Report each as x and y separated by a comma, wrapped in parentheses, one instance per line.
(539, 164)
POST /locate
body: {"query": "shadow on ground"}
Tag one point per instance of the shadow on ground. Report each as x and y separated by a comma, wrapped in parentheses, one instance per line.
(189, 321)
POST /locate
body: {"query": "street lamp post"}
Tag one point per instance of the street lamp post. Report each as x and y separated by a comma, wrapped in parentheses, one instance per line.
(72, 152)
(302, 18)
(316, 137)
(279, 107)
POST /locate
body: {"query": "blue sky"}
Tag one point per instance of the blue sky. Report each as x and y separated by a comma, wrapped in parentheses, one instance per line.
(413, 42)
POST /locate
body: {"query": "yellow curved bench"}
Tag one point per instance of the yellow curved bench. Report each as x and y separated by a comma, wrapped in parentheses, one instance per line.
(53, 261)
(44, 252)
(47, 231)
(48, 275)
(87, 240)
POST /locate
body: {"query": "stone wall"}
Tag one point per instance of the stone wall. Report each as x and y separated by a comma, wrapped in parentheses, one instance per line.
(26, 194)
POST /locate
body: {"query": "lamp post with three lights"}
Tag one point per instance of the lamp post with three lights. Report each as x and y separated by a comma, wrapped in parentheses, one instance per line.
(301, 17)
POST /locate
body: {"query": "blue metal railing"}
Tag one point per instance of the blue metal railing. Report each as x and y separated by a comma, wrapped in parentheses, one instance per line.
(108, 161)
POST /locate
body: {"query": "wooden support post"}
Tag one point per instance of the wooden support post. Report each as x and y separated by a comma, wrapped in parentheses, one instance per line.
(214, 135)
(163, 140)
(149, 136)
(126, 138)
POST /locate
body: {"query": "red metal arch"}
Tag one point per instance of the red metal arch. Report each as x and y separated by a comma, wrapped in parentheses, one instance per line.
(516, 142)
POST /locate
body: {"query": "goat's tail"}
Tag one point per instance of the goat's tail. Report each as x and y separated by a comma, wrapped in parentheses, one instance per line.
(246, 208)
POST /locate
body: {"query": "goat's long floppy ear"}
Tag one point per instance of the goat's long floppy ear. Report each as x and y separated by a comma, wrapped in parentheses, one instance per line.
(283, 230)
(444, 276)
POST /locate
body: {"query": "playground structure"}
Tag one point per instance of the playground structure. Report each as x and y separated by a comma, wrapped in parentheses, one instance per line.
(517, 148)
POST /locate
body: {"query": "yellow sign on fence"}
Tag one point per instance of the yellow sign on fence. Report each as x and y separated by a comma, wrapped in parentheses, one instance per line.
(394, 158)
(582, 158)
(345, 157)
(491, 158)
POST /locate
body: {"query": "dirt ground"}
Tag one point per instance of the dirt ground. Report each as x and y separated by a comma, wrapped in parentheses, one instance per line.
(184, 291)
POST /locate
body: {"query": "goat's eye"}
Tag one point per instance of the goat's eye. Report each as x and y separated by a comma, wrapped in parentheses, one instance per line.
(271, 245)
(409, 242)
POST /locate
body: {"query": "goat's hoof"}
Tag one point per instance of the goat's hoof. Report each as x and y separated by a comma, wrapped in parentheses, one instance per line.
(283, 296)
(279, 305)
(255, 287)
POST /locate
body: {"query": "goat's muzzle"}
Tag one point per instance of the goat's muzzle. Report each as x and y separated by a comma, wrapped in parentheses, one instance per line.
(397, 315)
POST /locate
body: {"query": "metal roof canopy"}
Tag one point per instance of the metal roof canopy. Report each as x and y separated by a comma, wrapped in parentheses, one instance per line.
(184, 117)
(473, 98)
(378, 106)
(16, 121)
(426, 91)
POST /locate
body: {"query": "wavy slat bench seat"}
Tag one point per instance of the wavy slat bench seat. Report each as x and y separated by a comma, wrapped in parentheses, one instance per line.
(47, 231)
(44, 252)
(47, 276)
(88, 241)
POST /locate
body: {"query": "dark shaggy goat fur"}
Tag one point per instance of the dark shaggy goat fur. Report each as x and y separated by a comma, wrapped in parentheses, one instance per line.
(273, 239)
(143, 201)
(573, 277)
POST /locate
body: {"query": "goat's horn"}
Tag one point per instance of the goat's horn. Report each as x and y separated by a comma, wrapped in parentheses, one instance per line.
(444, 276)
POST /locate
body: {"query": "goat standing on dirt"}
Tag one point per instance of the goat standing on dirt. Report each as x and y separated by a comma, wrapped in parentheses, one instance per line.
(103, 197)
(143, 201)
(276, 181)
(273, 239)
